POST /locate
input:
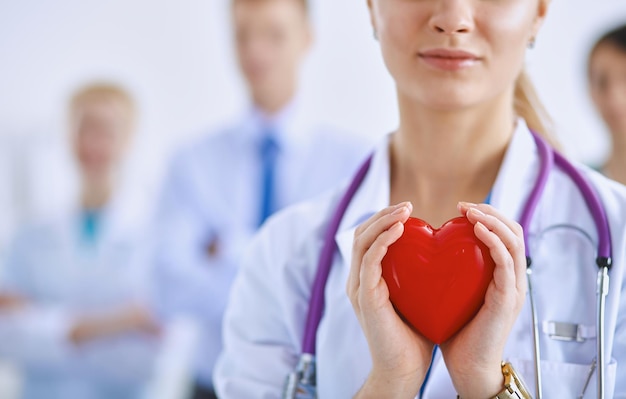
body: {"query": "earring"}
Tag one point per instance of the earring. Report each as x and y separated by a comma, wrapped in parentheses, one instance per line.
(375, 35)
(531, 43)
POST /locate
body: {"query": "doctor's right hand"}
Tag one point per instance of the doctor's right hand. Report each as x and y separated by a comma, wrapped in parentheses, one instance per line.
(400, 355)
(130, 319)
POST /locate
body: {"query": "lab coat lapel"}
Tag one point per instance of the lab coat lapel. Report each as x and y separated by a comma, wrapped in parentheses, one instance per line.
(517, 174)
(372, 196)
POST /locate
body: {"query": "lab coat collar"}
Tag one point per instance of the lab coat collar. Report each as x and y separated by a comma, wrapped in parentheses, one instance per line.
(119, 218)
(517, 175)
(509, 194)
(372, 196)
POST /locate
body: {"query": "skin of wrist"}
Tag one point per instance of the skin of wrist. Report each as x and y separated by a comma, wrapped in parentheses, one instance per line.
(379, 384)
(480, 385)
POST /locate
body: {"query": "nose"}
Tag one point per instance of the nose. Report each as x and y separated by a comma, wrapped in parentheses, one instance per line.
(452, 17)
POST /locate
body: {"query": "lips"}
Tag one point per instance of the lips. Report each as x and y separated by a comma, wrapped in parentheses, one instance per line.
(449, 60)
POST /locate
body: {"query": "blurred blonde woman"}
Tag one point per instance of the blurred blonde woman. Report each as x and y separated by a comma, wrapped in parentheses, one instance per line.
(73, 314)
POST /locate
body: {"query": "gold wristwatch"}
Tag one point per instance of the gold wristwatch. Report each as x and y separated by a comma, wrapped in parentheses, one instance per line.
(514, 387)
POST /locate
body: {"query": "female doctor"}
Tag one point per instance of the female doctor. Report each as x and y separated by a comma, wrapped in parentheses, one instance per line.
(466, 114)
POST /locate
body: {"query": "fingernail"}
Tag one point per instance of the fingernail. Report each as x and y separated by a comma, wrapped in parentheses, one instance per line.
(476, 211)
(481, 226)
(400, 210)
(467, 204)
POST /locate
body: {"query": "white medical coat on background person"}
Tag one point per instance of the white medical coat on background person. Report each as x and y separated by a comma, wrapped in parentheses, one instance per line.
(211, 206)
(264, 323)
(63, 276)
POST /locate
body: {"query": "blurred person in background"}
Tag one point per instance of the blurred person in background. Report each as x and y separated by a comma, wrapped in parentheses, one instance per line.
(73, 313)
(221, 189)
(607, 81)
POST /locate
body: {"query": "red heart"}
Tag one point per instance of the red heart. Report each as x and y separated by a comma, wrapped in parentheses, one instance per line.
(437, 278)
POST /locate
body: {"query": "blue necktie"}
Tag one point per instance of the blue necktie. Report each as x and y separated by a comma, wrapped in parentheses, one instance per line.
(268, 151)
(90, 227)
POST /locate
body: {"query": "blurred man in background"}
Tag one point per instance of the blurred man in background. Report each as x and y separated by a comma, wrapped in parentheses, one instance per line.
(73, 302)
(223, 187)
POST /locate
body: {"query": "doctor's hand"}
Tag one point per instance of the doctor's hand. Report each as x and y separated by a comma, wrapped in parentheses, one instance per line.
(474, 355)
(130, 319)
(11, 301)
(400, 355)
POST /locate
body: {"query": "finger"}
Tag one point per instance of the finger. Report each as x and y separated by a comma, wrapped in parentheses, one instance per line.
(367, 236)
(364, 241)
(353, 279)
(464, 207)
(514, 243)
(380, 214)
(371, 269)
(504, 273)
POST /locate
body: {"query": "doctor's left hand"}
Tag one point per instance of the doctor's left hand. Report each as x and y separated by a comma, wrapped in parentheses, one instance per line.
(132, 318)
(474, 355)
(11, 301)
(400, 355)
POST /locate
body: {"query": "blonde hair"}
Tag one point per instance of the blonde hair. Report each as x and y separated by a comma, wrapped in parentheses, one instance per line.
(103, 91)
(528, 106)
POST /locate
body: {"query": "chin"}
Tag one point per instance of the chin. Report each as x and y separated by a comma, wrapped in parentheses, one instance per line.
(95, 172)
(616, 123)
(261, 86)
(618, 132)
(446, 100)
(447, 104)
(444, 88)
(447, 94)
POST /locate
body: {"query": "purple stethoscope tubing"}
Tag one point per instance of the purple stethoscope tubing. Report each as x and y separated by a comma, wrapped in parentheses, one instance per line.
(316, 302)
(548, 159)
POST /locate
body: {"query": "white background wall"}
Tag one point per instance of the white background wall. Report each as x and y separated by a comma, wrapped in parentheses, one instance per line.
(176, 56)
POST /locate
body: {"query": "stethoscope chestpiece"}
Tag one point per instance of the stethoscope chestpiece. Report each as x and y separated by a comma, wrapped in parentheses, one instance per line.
(301, 383)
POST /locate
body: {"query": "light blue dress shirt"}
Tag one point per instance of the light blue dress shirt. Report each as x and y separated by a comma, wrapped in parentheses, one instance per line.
(211, 203)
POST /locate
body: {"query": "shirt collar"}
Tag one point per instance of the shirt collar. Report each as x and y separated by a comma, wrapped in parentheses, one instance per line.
(288, 125)
(509, 194)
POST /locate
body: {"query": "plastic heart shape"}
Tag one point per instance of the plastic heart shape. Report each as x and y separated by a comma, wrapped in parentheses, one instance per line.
(438, 278)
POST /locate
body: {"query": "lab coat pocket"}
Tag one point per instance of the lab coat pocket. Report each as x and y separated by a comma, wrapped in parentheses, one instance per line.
(565, 380)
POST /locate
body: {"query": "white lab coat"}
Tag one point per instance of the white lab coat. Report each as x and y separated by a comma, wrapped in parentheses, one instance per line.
(63, 278)
(213, 194)
(265, 320)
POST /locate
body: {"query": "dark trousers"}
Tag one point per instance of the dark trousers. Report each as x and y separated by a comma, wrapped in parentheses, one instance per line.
(200, 392)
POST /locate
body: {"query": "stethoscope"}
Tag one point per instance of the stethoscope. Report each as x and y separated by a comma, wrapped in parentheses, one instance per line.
(301, 384)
